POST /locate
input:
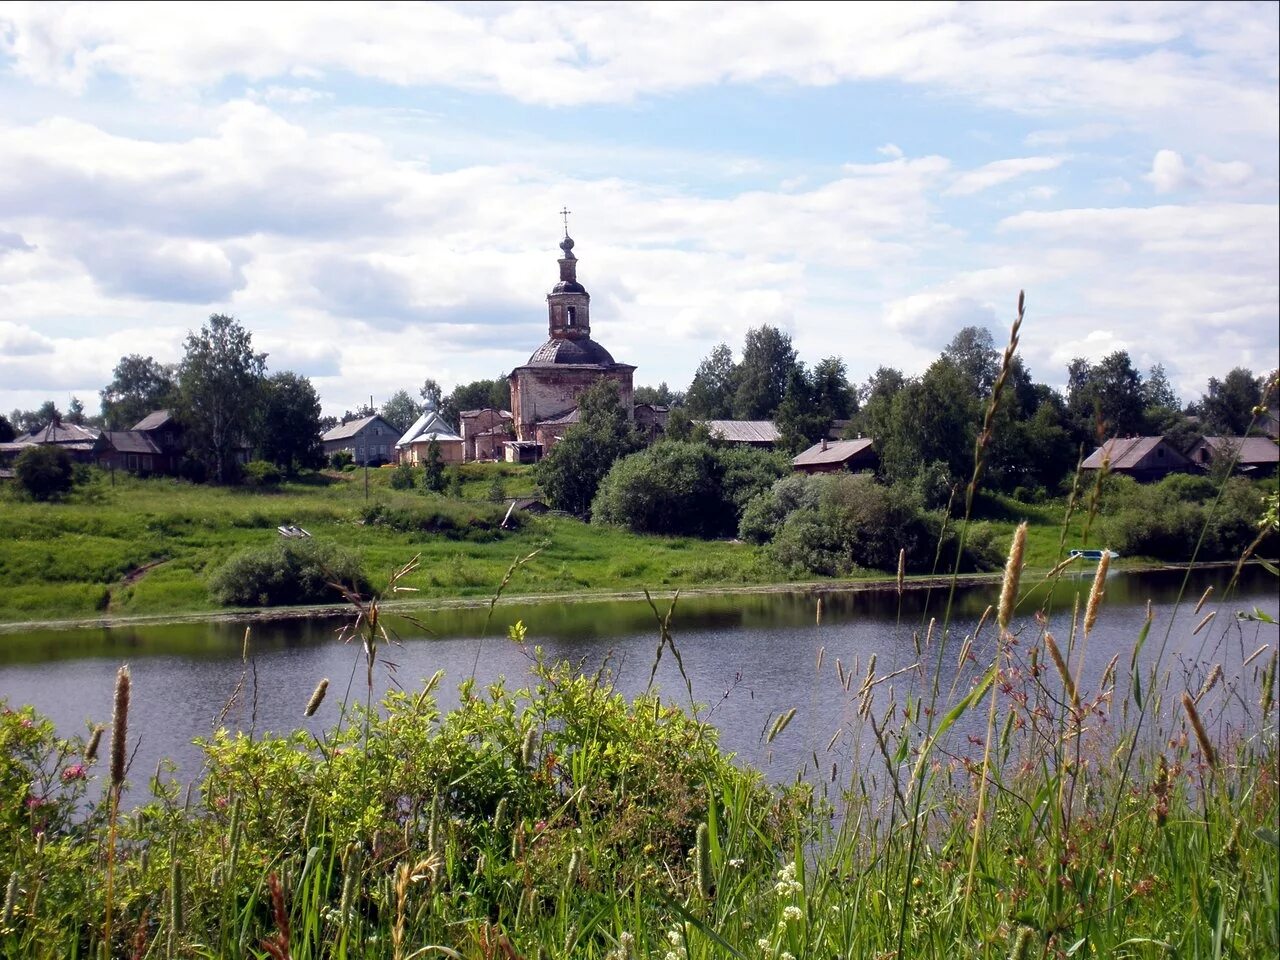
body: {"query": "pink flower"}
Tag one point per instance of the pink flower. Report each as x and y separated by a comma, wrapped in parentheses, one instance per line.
(73, 772)
(35, 803)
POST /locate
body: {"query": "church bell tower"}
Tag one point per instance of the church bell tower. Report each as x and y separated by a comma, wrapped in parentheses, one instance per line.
(568, 303)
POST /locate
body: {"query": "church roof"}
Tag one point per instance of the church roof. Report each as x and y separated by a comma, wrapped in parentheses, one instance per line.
(429, 426)
(584, 351)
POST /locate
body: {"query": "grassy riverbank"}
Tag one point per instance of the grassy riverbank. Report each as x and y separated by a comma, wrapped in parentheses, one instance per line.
(1128, 816)
(148, 547)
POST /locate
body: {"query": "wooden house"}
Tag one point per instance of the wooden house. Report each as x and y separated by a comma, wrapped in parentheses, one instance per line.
(743, 433)
(1254, 456)
(369, 440)
(1145, 459)
(830, 456)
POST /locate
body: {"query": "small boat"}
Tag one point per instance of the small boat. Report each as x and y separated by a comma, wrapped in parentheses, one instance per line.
(1093, 554)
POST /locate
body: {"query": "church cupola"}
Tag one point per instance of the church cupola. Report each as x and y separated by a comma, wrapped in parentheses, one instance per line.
(568, 303)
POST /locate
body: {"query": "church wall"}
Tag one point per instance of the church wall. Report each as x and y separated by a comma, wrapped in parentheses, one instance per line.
(543, 393)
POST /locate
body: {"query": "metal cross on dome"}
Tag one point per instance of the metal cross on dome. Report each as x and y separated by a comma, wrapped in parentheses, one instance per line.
(565, 213)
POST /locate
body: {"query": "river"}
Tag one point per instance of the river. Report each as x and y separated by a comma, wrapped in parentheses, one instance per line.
(748, 658)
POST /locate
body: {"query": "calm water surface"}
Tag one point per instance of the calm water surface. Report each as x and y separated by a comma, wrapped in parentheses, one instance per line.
(748, 658)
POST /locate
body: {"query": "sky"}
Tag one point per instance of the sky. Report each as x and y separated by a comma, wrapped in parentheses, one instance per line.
(374, 189)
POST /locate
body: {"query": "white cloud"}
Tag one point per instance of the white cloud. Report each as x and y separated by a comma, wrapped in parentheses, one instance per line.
(1000, 171)
(1145, 64)
(1170, 174)
(292, 95)
(890, 150)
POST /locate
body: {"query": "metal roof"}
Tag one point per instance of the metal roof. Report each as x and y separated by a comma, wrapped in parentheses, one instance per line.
(1125, 453)
(573, 416)
(132, 441)
(429, 426)
(1248, 449)
(559, 350)
(153, 420)
(832, 451)
(352, 427)
(742, 431)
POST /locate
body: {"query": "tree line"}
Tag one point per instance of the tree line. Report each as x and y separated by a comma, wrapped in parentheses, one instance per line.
(924, 426)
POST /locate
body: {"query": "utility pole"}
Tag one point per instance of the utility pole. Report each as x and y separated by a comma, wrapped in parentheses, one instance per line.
(366, 461)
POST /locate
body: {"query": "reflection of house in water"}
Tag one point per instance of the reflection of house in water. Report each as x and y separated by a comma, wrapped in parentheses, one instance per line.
(545, 391)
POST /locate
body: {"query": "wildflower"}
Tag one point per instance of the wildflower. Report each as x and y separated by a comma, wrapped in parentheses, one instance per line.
(792, 914)
(73, 772)
(764, 944)
(736, 862)
(784, 955)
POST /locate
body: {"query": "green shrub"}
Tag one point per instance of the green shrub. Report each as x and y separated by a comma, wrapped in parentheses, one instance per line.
(340, 459)
(289, 572)
(679, 487)
(834, 524)
(261, 473)
(44, 472)
(402, 477)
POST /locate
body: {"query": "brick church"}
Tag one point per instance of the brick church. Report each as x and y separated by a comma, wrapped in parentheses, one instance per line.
(544, 392)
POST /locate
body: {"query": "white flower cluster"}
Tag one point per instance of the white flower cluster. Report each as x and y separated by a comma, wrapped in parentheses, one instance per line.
(677, 951)
(787, 884)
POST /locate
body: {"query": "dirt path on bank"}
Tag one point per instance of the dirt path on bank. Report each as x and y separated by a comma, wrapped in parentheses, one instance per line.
(885, 583)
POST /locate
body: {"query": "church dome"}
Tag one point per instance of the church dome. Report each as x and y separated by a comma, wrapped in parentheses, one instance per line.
(585, 350)
(568, 286)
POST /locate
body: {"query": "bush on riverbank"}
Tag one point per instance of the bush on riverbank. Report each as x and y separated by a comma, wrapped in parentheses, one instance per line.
(677, 487)
(289, 572)
(833, 524)
(1167, 520)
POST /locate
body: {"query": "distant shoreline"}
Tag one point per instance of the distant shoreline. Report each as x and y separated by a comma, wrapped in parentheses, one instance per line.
(273, 614)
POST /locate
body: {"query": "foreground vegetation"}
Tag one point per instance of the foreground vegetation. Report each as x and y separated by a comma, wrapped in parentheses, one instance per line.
(1132, 816)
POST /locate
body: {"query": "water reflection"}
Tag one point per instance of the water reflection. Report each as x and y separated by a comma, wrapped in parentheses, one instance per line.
(748, 657)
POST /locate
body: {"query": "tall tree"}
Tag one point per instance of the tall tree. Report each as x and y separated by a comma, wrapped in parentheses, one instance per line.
(768, 360)
(1227, 408)
(1106, 394)
(6, 430)
(75, 412)
(832, 392)
(431, 393)
(710, 395)
(876, 406)
(662, 395)
(289, 422)
(571, 473)
(138, 385)
(401, 410)
(974, 353)
(477, 395)
(219, 384)
(25, 421)
(801, 418)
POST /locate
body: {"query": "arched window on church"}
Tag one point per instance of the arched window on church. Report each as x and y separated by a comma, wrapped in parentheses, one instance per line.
(571, 315)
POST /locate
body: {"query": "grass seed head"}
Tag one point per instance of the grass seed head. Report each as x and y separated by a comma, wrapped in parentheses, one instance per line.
(120, 726)
(95, 741)
(1012, 574)
(317, 698)
(1096, 593)
(1197, 727)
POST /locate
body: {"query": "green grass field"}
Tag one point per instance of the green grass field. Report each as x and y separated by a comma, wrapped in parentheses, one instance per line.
(147, 547)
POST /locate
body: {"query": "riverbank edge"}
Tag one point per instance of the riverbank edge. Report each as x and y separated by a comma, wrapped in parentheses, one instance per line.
(252, 615)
